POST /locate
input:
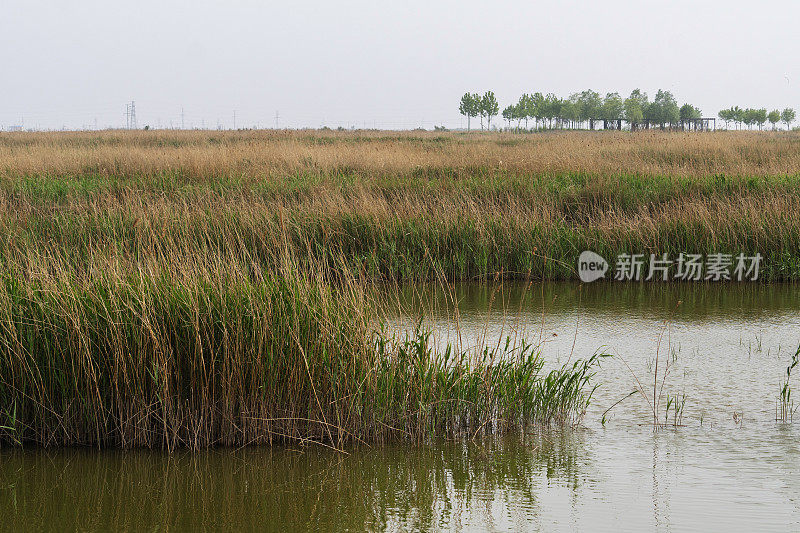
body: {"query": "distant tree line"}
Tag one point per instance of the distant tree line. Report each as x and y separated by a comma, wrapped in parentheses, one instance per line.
(757, 117)
(475, 105)
(550, 111)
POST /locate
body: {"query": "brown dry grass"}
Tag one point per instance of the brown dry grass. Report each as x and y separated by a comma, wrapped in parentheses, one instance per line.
(257, 154)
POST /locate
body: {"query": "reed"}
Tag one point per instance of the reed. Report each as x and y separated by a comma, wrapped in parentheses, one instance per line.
(784, 407)
(255, 155)
(170, 289)
(201, 356)
(404, 206)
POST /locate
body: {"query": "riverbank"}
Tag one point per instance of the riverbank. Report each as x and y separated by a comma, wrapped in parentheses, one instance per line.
(404, 206)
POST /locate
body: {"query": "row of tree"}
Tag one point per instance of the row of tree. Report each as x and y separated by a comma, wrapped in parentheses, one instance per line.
(474, 105)
(757, 117)
(587, 106)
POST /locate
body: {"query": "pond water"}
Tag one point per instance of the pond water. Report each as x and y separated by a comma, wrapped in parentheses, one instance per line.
(729, 466)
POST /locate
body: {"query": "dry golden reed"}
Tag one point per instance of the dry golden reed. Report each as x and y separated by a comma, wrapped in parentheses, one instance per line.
(259, 154)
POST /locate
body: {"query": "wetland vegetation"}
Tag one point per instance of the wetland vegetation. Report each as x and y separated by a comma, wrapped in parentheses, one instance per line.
(169, 289)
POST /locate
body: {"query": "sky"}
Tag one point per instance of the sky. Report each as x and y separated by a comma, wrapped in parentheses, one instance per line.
(387, 64)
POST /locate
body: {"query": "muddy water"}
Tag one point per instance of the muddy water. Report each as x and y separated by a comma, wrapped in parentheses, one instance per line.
(728, 466)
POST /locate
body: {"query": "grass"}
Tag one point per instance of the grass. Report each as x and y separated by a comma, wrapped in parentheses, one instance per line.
(784, 408)
(199, 356)
(170, 289)
(406, 206)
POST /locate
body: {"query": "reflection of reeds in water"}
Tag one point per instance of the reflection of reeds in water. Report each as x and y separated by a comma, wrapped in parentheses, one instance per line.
(277, 488)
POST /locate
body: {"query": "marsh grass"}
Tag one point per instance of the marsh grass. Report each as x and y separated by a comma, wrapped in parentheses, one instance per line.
(784, 407)
(405, 206)
(169, 289)
(199, 355)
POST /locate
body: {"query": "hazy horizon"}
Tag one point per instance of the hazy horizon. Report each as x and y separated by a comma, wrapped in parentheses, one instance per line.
(365, 64)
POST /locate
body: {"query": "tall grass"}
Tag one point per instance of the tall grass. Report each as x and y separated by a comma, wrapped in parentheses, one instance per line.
(194, 288)
(404, 206)
(223, 356)
(253, 155)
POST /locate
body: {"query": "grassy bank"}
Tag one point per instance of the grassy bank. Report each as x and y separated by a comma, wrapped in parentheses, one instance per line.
(403, 206)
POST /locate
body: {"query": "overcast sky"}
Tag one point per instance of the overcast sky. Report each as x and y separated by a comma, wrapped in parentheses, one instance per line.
(392, 64)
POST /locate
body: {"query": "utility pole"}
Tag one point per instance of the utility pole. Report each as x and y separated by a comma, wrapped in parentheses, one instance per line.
(182, 123)
(234, 119)
(277, 118)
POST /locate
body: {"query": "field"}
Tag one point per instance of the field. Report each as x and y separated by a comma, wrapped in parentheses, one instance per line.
(405, 206)
(201, 288)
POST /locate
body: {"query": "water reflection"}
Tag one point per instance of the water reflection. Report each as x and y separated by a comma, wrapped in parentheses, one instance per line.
(553, 481)
(491, 483)
(728, 344)
(698, 301)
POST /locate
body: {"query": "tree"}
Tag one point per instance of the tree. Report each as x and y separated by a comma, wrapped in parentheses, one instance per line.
(689, 112)
(635, 105)
(613, 107)
(469, 106)
(489, 107)
(591, 102)
(571, 110)
(788, 116)
(749, 117)
(738, 115)
(536, 107)
(726, 115)
(760, 117)
(524, 111)
(774, 117)
(551, 108)
(664, 109)
(509, 114)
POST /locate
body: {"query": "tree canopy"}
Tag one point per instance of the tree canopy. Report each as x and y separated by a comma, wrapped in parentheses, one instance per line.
(788, 116)
(549, 110)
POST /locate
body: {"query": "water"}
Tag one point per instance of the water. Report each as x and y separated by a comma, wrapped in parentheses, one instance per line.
(729, 466)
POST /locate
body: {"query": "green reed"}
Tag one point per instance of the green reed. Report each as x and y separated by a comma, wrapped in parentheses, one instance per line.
(165, 361)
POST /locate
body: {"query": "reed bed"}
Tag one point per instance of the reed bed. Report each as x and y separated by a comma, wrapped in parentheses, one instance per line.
(404, 235)
(406, 206)
(225, 358)
(169, 289)
(276, 154)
